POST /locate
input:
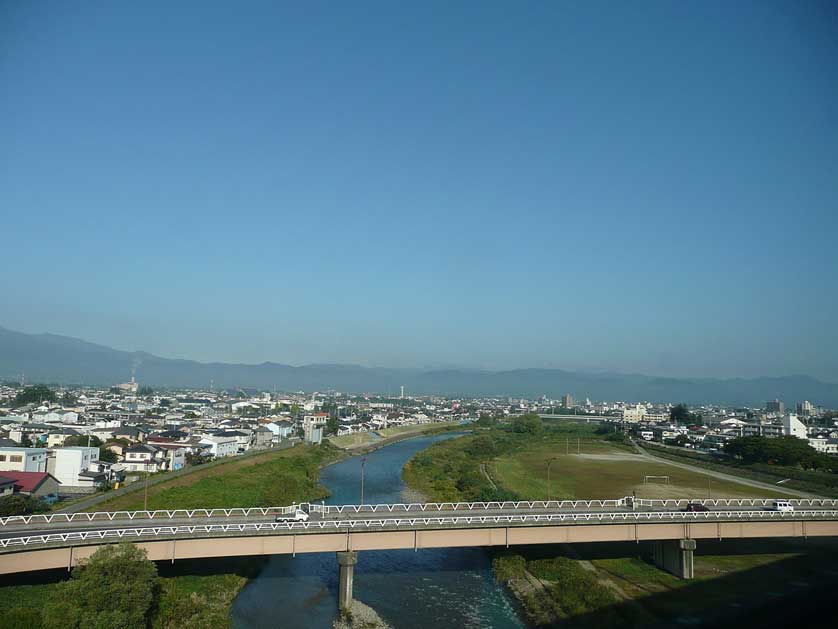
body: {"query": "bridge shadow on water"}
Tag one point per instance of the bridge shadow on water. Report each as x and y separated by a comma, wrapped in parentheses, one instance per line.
(798, 590)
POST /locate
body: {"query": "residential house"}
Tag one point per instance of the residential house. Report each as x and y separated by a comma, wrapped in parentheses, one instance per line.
(24, 459)
(175, 454)
(36, 484)
(280, 430)
(7, 486)
(242, 436)
(57, 436)
(67, 464)
(262, 438)
(220, 446)
(142, 457)
(131, 433)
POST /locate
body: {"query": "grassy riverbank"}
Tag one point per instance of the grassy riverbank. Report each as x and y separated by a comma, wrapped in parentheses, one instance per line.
(366, 441)
(592, 585)
(501, 463)
(275, 478)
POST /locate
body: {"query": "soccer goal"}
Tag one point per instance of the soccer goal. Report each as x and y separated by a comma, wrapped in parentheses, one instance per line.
(656, 479)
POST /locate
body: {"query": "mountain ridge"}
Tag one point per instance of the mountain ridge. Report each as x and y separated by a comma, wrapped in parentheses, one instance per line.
(67, 360)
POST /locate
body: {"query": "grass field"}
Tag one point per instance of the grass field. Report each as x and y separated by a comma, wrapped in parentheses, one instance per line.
(396, 431)
(605, 471)
(275, 478)
(355, 440)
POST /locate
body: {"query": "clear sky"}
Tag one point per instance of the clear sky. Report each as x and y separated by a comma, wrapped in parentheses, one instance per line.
(638, 187)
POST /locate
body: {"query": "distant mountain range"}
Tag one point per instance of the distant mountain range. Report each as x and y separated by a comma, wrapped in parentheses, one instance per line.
(60, 359)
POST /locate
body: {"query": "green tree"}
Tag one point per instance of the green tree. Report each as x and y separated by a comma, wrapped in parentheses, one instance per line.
(116, 587)
(68, 399)
(680, 414)
(529, 422)
(34, 395)
(789, 451)
(196, 458)
(332, 425)
(486, 421)
(17, 504)
(82, 440)
(25, 441)
(482, 447)
(108, 456)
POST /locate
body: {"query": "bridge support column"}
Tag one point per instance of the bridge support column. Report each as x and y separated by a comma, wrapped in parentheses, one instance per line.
(675, 556)
(346, 566)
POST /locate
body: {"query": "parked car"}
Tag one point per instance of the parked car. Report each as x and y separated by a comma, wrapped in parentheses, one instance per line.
(696, 507)
(783, 506)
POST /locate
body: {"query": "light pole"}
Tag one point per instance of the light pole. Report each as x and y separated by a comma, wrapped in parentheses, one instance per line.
(549, 463)
(363, 465)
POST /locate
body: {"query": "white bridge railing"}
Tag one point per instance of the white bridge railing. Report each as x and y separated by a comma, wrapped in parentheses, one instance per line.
(255, 528)
(415, 507)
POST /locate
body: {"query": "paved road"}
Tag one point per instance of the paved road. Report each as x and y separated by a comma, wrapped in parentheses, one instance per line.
(15, 529)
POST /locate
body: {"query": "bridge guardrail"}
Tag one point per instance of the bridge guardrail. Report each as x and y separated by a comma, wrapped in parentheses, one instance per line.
(452, 520)
(246, 512)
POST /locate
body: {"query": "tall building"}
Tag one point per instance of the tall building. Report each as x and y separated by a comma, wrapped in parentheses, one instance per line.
(567, 400)
(805, 408)
(775, 406)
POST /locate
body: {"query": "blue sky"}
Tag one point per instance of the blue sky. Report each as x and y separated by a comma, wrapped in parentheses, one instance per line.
(643, 187)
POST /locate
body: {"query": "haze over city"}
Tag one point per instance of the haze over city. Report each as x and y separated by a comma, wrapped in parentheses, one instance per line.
(647, 190)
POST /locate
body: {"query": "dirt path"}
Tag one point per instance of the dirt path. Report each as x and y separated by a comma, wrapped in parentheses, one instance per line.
(485, 473)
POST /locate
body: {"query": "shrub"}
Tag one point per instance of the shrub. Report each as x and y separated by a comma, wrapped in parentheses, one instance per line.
(509, 566)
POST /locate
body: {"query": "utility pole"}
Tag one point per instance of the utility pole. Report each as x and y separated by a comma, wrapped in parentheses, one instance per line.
(363, 465)
(578, 445)
(145, 496)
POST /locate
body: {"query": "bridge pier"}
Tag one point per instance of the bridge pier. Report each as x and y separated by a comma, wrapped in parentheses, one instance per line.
(675, 556)
(346, 567)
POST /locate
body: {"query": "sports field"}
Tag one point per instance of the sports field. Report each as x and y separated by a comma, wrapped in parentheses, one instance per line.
(600, 470)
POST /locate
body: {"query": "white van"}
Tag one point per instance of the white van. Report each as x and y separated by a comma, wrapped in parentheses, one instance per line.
(782, 506)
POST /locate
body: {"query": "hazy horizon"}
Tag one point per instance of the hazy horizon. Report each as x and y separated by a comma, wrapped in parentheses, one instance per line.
(642, 189)
(431, 366)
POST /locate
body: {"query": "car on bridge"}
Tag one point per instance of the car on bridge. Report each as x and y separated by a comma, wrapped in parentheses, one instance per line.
(783, 506)
(696, 507)
(299, 514)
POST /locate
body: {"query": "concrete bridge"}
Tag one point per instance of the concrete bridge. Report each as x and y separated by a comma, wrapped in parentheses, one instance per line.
(62, 540)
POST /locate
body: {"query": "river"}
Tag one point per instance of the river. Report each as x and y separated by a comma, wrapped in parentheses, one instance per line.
(426, 588)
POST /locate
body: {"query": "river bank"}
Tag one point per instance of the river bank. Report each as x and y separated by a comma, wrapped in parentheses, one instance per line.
(619, 584)
(407, 589)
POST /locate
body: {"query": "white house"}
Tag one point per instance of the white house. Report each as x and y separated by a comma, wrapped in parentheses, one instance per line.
(24, 459)
(66, 464)
(824, 444)
(142, 457)
(793, 427)
(280, 430)
(221, 446)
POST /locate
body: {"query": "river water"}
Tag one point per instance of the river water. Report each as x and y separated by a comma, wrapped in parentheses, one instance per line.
(426, 588)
